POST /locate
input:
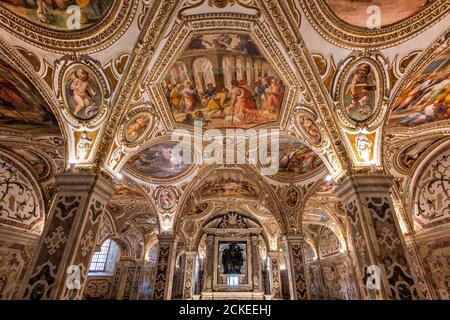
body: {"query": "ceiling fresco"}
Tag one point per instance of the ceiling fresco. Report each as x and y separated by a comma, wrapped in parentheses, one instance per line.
(296, 158)
(158, 161)
(21, 105)
(223, 80)
(392, 11)
(57, 14)
(362, 116)
(426, 97)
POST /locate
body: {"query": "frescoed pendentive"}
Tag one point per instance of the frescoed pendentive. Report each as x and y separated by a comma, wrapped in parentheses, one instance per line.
(83, 95)
(296, 158)
(223, 80)
(158, 161)
(21, 105)
(136, 128)
(59, 14)
(360, 92)
(426, 98)
(391, 11)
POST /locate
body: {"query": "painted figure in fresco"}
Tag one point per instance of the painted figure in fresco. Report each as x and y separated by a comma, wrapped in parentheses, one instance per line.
(83, 93)
(242, 103)
(189, 96)
(21, 106)
(291, 197)
(134, 130)
(232, 259)
(311, 128)
(176, 97)
(360, 90)
(427, 99)
(165, 200)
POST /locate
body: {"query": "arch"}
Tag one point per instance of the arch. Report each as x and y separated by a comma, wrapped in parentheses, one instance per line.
(106, 258)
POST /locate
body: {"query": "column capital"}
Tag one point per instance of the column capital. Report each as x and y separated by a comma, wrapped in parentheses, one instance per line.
(375, 184)
(190, 254)
(167, 237)
(294, 238)
(273, 254)
(71, 181)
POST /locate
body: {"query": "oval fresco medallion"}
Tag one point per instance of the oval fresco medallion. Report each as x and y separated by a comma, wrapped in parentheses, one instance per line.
(136, 128)
(82, 94)
(158, 161)
(361, 92)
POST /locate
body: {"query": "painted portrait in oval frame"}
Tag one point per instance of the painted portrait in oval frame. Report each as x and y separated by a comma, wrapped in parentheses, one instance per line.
(166, 199)
(360, 97)
(136, 128)
(83, 94)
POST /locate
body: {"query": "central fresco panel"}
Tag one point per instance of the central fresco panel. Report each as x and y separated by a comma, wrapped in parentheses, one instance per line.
(223, 81)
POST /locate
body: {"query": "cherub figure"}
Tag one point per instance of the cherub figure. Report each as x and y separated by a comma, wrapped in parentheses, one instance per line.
(83, 93)
(360, 88)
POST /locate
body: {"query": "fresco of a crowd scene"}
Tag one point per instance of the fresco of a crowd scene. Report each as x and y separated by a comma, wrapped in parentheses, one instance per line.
(426, 97)
(223, 80)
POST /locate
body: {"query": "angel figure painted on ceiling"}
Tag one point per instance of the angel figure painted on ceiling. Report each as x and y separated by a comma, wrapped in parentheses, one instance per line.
(359, 99)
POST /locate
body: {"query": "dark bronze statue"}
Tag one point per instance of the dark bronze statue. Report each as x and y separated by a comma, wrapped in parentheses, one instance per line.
(232, 259)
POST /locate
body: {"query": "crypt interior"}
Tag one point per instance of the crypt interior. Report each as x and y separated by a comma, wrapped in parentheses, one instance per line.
(352, 100)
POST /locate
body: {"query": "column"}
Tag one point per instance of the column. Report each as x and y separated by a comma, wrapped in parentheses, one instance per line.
(256, 266)
(127, 278)
(377, 239)
(297, 267)
(189, 274)
(275, 276)
(60, 264)
(165, 267)
(209, 263)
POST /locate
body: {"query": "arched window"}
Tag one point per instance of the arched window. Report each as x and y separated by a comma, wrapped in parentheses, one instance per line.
(105, 259)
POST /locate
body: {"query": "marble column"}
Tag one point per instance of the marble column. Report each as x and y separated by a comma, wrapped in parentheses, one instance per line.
(209, 264)
(189, 274)
(275, 275)
(256, 266)
(61, 261)
(165, 267)
(297, 267)
(377, 239)
(127, 279)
